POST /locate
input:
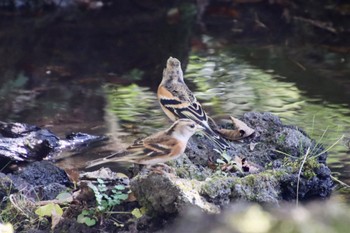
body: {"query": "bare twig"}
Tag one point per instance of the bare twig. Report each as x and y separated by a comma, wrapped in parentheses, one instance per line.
(14, 202)
(299, 174)
(316, 23)
(298, 64)
(329, 148)
(284, 153)
(340, 182)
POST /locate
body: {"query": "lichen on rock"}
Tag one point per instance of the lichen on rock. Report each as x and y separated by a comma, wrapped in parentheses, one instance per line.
(166, 193)
(277, 150)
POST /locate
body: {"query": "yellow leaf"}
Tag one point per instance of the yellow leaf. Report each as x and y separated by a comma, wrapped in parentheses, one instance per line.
(49, 210)
(137, 213)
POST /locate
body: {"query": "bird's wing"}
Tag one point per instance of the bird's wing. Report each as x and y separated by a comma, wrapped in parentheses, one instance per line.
(159, 145)
(177, 105)
(182, 105)
(156, 146)
(193, 111)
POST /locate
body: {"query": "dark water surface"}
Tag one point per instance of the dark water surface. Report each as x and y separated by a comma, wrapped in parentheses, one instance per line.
(305, 86)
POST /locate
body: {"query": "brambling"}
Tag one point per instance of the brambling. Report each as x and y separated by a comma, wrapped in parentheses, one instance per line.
(157, 148)
(177, 101)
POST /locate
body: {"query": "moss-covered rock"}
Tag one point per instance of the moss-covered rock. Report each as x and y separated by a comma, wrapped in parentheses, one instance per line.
(280, 153)
(163, 193)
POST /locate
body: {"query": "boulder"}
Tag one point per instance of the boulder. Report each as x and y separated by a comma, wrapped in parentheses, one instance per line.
(282, 163)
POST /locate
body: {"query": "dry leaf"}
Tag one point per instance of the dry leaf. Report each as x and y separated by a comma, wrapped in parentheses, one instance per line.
(55, 219)
(131, 197)
(246, 166)
(240, 131)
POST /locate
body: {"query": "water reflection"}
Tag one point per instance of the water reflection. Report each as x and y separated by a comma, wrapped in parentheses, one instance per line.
(234, 87)
(226, 85)
(136, 108)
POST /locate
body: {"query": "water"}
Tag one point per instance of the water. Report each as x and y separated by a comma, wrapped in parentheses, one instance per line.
(241, 87)
(308, 91)
(226, 84)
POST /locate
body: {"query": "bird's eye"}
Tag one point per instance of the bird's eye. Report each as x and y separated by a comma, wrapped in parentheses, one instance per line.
(192, 126)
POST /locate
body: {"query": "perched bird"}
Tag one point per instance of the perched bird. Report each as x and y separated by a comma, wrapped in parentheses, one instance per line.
(178, 102)
(157, 148)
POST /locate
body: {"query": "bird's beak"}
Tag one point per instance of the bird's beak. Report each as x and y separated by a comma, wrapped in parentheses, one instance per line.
(200, 128)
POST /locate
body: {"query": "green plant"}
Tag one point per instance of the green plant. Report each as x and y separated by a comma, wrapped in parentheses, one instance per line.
(227, 163)
(107, 200)
(18, 210)
(87, 217)
(308, 155)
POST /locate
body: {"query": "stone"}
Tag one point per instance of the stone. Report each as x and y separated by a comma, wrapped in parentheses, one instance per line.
(278, 156)
(164, 193)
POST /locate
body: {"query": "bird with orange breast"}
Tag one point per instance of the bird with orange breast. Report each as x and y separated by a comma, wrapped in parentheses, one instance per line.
(158, 148)
(178, 102)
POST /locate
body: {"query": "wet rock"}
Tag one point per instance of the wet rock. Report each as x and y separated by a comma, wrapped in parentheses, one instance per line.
(37, 180)
(25, 143)
(43, 173)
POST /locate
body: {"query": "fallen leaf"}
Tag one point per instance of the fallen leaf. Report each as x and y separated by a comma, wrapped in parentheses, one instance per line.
(65, 197)
(48, 209)
(137, 213)
(241, 130)
(55, 219)
(131, 197)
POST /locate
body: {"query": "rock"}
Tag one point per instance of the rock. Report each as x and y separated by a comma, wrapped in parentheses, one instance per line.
(167, 194)
(41, 180)
(275, 149)
(43, 173)
(26, 143)
(23, 142)
(261, 188)
(105, 174)
(272, 141)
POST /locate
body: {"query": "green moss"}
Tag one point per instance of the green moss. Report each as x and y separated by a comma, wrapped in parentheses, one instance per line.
(216, 184)
(261, 187)
(279, 173)
(5, 185)
(309, 167)
(281, 139)
(188, 171)
(250, 179)
(182, 172)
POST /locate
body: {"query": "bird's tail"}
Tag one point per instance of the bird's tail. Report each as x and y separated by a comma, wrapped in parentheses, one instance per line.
(217, 139)
(113, 158)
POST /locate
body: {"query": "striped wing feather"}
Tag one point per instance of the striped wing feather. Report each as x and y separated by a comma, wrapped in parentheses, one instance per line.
(193, 111)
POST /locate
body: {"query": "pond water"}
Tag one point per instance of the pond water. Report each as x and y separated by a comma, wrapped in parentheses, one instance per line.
(226, 78)
(227, 84)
